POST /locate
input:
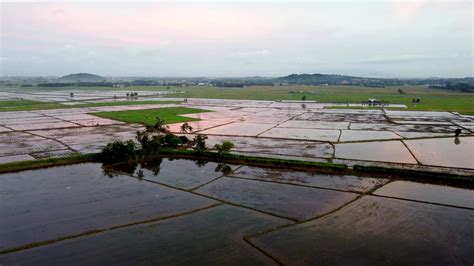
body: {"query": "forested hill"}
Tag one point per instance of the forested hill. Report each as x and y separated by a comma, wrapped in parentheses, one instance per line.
(460, 84)
(81, 77)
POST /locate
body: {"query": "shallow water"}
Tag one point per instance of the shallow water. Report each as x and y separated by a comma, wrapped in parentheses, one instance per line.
(300, 203)
(303, 134)
(45, 204)
(378, 231)
(347, 183)
(135, 220)
(239, 129)
(450, 152)
(186, 174)
(429, 193)
(385, 151)
(360, 135)
(210, 237)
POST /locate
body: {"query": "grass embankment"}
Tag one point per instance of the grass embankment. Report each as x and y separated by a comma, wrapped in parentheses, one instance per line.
(148, 116)
(258, 161)
(27, 105)
(49, 162)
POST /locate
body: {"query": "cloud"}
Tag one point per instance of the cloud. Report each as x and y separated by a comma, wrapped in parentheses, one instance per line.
(258, 53)
(397, 59)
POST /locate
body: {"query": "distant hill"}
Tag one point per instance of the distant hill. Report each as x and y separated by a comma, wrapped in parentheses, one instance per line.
(330, 79)
(81, 77)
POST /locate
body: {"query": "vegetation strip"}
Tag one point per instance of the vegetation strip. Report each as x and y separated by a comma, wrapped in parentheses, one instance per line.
(27, 105)
(49, 162)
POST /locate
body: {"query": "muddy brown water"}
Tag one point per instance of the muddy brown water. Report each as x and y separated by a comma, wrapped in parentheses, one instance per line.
(176, 211)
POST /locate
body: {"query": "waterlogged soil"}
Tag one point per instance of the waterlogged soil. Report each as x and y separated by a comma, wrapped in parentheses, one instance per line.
(449, 152)
(303, 134)
(383, 151)
(331, 116)
(239, 129)
(315, 124)
(86, 214)
(361, 135)
(429, 193)
(213, 236)
(377, 231)
(41, 205)
(295, 202)
(312, 179)
(19, 143)
(404, 128)
(288, 148)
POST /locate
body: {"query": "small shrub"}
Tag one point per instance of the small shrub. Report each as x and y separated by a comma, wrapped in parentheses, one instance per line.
(172, 140)
(200, 143)
(224, 148)
(184, 140)
(118, 151)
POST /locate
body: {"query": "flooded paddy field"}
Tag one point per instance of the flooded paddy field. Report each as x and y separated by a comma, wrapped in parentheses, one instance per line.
(288, 130)
(178, 211)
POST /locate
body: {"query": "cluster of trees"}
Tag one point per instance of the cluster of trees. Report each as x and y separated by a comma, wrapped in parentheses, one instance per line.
(323, 79)
(77, 84)
(463, 87)
(155, 137)
(240, 83)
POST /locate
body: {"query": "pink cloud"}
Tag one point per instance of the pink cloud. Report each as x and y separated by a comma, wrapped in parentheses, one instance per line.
(152, 26)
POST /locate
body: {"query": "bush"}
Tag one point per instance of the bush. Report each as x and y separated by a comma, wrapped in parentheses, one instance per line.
(200, 143)
(118, 151)
(225, 147)
(184, 140)
(172, 140)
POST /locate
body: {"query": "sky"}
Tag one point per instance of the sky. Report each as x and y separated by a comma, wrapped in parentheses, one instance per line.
(404, 39)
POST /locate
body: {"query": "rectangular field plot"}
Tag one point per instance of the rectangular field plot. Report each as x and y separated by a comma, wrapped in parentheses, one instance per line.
(47, 204)
(347, 183)
(299, 203)
(209, 237)
(449, 152)
(360, 135)
(315, 124)
(18, 143)
(430, 193)
(239, 129)
(377, 231)
(259, 146)
(385, 151)
(303, 134)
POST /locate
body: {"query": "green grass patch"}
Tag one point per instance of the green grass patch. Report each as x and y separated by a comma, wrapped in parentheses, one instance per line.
(49, 162)
(27, 105)
(148, 116)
